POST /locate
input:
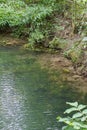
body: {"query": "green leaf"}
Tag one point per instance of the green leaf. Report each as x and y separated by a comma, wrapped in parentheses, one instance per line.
(70, 110)
(74, 104)
(84, 126)
(84, 111)
(66, 120)
(79, 119)
(80, 107)
(77, 115)
(64, 128)
(76, 125)
(84, 118)
(79, 126)
(68, 128)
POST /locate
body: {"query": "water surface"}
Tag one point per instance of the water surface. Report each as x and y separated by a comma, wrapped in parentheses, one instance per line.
(29, 99)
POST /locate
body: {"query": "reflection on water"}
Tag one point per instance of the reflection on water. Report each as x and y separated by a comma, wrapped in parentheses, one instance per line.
(10, 104)
(29, 99)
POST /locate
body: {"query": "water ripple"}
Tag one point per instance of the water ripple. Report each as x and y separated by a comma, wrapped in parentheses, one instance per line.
(10, 104)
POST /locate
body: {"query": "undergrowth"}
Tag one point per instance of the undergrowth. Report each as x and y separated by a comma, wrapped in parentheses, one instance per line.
(32, 19)
(78, 118)
(35, 18)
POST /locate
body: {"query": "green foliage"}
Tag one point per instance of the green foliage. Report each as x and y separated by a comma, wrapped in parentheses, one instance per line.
(17, 12)
(36, 36)
(18, 15)
(11, 13)
(57, 43)
(34, 17)
(78, 120)
(76, 11)
(74, 53)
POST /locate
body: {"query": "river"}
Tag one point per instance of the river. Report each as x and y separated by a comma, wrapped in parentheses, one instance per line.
(29, 98)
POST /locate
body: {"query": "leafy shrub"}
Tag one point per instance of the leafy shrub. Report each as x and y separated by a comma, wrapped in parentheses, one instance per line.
(57, 43)
(38, 14)
(76, 11)
(78, 120)
(36, 36)
(17, 15)
(74, 53)
(11, 13)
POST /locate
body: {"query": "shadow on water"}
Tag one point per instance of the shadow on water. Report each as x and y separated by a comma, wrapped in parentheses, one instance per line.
(29, 99)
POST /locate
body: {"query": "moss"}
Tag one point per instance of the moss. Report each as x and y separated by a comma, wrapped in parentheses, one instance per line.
(2, 43)
(29, 46)
(57, 43)
(74, 53)
(65, 70)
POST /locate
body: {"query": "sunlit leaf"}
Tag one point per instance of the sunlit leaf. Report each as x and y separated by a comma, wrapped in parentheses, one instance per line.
(84, 118)
(80, 107)
(76, 125)
(84, 111)
(77, 115)
(74, 104)
(70, 110)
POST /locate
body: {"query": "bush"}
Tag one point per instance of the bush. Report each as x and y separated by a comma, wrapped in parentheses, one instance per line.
(74, 53)
(78, 120)
(57, 43)
(18, 16)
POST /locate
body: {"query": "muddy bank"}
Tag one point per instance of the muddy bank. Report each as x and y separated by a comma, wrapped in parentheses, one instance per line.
(9, 40)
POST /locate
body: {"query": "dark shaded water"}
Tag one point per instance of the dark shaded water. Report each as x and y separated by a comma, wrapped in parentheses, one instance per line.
(29, 99)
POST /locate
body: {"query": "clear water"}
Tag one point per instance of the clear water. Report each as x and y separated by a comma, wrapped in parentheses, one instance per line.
(29, 99)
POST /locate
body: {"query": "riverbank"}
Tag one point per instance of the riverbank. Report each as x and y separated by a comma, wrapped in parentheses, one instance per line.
(69, 47)
(9, 40)
(57, 62)
(53, 59)
(49, 27)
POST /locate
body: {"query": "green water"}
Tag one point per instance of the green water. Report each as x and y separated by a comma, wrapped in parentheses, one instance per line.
(29, 99)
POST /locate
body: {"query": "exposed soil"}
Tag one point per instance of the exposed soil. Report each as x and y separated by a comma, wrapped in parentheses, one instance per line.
(64, 30)
(8, 40)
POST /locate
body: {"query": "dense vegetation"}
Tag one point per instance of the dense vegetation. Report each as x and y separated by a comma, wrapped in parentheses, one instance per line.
(26, 19)
(36, 18)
